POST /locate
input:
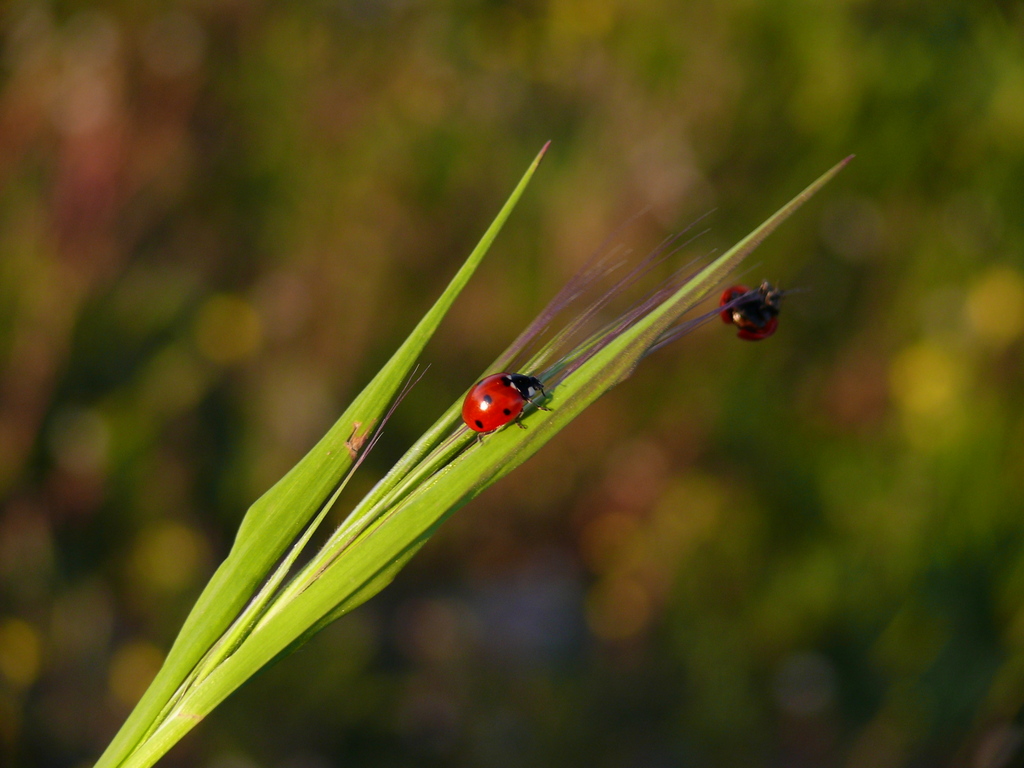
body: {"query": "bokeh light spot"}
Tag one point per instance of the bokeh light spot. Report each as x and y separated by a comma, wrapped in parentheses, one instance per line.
(1007, 110)
(20, 652)
(925, 380)
(995, 306)
(574, 18)
(168, 557)
(80, 440)
(173, 382)
(133, 667)
(227, 329)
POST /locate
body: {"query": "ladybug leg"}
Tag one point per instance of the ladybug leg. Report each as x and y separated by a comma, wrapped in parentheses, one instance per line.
(535, 405)
(519, 421)
(543, 395)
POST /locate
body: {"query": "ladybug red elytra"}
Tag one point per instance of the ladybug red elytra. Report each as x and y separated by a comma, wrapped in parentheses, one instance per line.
(498, 399)
(755, 312)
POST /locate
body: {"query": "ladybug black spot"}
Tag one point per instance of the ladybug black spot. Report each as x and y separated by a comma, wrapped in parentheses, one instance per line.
(479, 423)
(488, 399)
(508, 412)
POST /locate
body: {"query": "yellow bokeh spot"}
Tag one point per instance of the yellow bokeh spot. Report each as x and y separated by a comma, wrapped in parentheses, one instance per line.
(228, 329)
(20, 652)
(1006, 111)
(618, 608)
(580, 19)
(173, 382)
(995, 306)
(168, 557)
(132, 669)
(925, 380)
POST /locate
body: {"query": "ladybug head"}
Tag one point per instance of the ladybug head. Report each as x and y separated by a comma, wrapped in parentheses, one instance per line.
(770, 297)
(528, 386)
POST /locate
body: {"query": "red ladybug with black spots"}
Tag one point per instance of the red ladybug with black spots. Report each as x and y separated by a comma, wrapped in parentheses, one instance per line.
(500, 398)
(755, 312)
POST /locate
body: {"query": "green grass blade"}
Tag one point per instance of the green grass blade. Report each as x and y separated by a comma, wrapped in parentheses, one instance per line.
(369, 562)
(274, 521)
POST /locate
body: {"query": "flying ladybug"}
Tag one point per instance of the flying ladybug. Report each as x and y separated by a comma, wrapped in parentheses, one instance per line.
(754, 311)
(500, 398)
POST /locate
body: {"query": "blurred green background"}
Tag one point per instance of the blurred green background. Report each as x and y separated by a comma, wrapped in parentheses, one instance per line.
(217, 218)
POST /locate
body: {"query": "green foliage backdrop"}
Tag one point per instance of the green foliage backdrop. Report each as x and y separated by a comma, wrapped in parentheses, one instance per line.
(218, 219)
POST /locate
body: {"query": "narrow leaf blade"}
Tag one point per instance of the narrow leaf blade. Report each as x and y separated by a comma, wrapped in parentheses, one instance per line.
(370, 562)
(277, 517)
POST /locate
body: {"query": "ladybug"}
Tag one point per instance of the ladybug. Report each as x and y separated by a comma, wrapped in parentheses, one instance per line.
(498, 399)
(755, 312)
